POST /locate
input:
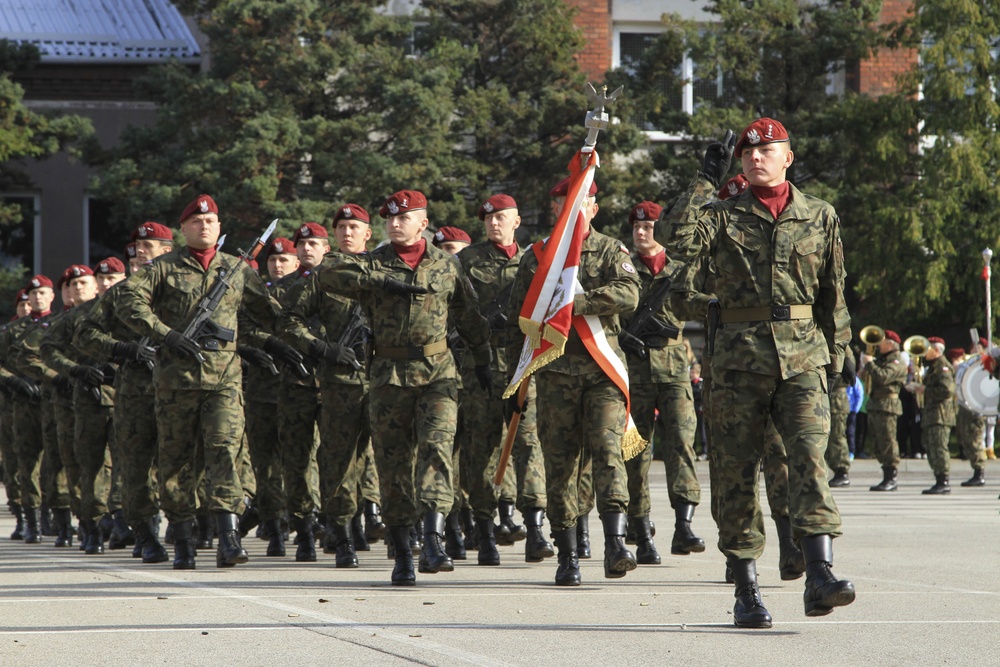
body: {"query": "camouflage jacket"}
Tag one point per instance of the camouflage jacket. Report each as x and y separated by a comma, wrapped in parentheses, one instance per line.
(665, 364)
(939, 393)
(59, 353)
(415, 320)
(25, 357)
(281, 291)
(611, 288)
(490, 272)
(309, 312)
(164, 296)
(757, 261)
(887, 375)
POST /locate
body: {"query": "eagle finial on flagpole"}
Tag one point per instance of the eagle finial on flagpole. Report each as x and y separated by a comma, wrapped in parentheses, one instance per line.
(597, 119)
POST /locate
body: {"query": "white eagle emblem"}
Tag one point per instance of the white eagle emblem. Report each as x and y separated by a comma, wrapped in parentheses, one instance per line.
(438, 236)
(303, 231)
(203, 205)
(488, 207)
(279, 247)
(35, 282)
(76, 271)
(733, 189)
(104, 268)
(347, 212)
(640, 214)
(753, 137)
(393, 208)
(143, 231)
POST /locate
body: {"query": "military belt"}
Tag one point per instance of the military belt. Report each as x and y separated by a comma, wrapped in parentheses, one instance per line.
(412, 351)
(767, 314)
(216, 345)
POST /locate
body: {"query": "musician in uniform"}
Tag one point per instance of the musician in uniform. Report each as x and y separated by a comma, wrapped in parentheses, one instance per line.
(887, 374)
(938, 414)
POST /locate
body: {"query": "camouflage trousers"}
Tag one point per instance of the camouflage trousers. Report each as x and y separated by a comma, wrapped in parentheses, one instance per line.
(192, 419)
(413, 432)
(971, 430)
(368, 486)
(244, 467)
(740, 405)
(92, 433)
(882, 428)
(28, 446)
(838, 453)
(55, 487)
(934, 438)
(134, 420)
(345, 432)
(675, 402)
(581, 418)
(265, 453)
(8, 453)
(65, 424)
(298, 438)
(481, 441)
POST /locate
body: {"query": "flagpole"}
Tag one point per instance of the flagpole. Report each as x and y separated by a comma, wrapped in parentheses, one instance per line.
(508, 443)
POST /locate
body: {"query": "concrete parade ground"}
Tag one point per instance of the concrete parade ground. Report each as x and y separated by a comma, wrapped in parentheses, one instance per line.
(925, 568)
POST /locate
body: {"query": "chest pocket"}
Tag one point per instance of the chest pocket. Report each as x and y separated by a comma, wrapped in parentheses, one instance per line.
(179, 298)
(591, 271)
(741, 251)
(806, 262)
(482, 274)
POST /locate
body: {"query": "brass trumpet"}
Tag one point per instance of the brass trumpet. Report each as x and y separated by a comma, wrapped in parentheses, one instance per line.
(916, 347)
(871, 336)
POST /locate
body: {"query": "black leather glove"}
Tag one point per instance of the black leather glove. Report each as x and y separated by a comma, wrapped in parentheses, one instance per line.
(340, 354)
(181, 344)
(632, 345)
(24, 388)
(718, 158)
(399, 288)
(109, 372)
(63, 384)
(282, 351)
(850, 371)
(133, 350)
(485, 376)
(510, 406)
(257, 357)
(90, 375)
(830, 379)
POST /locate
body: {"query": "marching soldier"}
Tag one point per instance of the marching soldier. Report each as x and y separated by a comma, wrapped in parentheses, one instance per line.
(971, 430)
(199, 402)
(887, 374)
(7, 402)
(838, 454)
(938, 414)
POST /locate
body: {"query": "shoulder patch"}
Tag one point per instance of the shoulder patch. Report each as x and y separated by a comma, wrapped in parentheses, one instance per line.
(628, 267)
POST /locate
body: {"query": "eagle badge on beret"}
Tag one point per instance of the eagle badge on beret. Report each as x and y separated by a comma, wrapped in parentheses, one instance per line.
(143, 231)
(488, 207)
(104, 267)
(393, 207)
(347, 212)
(203, 205)
(76, 271)
(35, 282)
(640, 214)
(303, 231)
(438, 236)
(753, 137)
(279, 247)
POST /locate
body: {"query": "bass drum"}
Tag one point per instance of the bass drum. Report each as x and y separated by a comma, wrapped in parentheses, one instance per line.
(976, 389)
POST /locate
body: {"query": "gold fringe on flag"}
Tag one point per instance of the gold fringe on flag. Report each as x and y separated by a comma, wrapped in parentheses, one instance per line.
(632, 444)
(531, 329)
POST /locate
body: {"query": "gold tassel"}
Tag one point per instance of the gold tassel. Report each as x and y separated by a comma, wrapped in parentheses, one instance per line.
(632, 444)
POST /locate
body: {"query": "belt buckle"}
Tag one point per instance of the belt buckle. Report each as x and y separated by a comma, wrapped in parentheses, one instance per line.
(210, 344)
(781, 313)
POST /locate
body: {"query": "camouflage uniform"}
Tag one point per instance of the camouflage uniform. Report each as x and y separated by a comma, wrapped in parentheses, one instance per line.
(938, 414)
(770, 353)
(971, 428)
(7, 453)
(838, 453)
(887, 375)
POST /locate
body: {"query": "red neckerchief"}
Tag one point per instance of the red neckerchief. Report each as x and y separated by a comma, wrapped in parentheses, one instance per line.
(655, 263)
(774, 199)
(508, 250)
(65, 308)
(303, 271)
(411, 254)
(203, 257)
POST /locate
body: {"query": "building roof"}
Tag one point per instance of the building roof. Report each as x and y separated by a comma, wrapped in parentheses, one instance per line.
(99, 31)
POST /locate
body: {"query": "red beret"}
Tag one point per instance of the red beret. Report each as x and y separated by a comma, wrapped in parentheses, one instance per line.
(892, 335)
(403, 201)
(37, 282)
(280, 246)
(644, 210)
(935, 339)
(761, 131)
(445, 234)
(955, 353)
(76, 271)
(496, 203)
(351, 212)
(562, 187)
(310, 230)
(152, 231)
(130, 251)
(22, 295)
(109, 266)
(734, 186)
(983, 342)
(198, 205)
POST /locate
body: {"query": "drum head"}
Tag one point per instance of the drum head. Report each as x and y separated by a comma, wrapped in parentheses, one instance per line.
(976, 389)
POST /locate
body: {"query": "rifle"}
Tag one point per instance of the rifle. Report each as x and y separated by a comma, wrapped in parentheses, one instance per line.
(457, 345)
(496, 313)
(646, 328)
(355, 334)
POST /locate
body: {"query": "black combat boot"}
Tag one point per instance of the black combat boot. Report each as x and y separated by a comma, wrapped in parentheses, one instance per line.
(106, 524)
(184, 545)
(95, 538)
(342, 538)
(454, 541)
(978, 478)
(15, 509)
(685, 542)
(791, 564)
(617, 558)
(151, 549)
(433, 558)
(374, 528)
(471, 541)
(229, 552)
(536, 547)
(823, 590)
(358, 533)
(749, 610)
(305, 551)
(45, 521)
(168, 534)
(64, 522)
(507, 532)
(568, 572)
(121, 535)
(31, 534)
(402, 571)
(204, 531)
(276, 538)
(250, 518)
(583, 537)
(840, 478)
(941, 485)
(645, 548)
(488, 554)
(888, 482)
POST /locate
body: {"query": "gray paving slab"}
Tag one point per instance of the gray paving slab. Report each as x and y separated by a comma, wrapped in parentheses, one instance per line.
(925, 569)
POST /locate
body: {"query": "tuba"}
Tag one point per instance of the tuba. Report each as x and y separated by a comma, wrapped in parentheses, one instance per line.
(871, 336)
(916, 347)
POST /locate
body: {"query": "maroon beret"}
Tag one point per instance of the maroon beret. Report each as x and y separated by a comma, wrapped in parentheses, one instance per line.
(644, 210)
(892, 335)
(310, 230)
(496, 203)
(935, 339)
(152, 231)
(955, 353)
(984, 343)
(351, 212)
(280, 246)
(22, 295)
(76, 271)
(198, 205)
(109, 266)
(130, 251)
(761, 131)
(562, 187)
(445, 234)
(734, 186)
(403, 201)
